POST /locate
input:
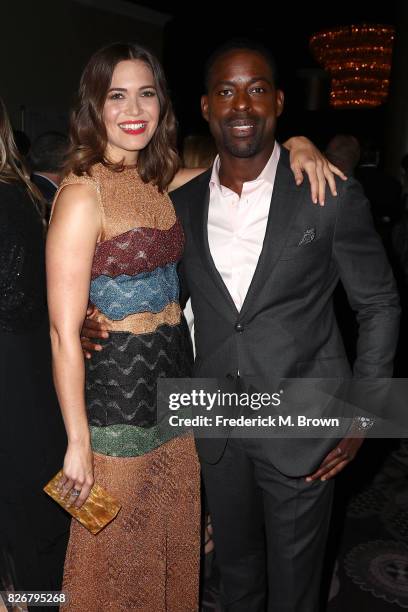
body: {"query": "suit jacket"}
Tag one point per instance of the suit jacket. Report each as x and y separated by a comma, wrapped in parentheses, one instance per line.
(46, 187)
(287, 326)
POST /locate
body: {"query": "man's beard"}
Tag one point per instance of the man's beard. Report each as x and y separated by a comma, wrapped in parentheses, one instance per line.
(245, 147)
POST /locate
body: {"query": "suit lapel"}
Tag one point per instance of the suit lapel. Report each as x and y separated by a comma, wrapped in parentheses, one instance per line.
(284, 206)
(199, 227)
(285, 202)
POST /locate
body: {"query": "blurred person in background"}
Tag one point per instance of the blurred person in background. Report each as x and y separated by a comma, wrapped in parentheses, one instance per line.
(46, 160)
(33, 529)
(199, 151)
(344, 152)
(23, 143)
(400, 232)
(382, 190)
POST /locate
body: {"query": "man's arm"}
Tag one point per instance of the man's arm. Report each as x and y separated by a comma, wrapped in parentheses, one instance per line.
(181, 208)
(369, 283)
(368, 280)
(184, 290)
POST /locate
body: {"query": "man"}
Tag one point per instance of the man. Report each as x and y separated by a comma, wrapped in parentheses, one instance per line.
(343, 150)
(261, 264)
(46, 159)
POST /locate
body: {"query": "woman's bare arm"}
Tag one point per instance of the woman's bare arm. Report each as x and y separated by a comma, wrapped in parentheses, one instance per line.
(304, 157)
(72, 236)
(183, 176)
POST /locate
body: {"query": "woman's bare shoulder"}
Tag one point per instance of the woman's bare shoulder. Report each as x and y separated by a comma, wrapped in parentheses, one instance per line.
(75, 200)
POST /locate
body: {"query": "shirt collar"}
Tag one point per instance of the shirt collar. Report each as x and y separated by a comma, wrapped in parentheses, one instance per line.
(46, 178)
(268, 173)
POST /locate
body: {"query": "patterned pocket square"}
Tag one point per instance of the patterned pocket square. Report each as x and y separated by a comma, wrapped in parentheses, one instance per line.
(308, 236)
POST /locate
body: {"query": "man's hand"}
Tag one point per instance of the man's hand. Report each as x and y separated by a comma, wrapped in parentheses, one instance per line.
(208, 533)
(305, 157)
(91, 329)
(337, 459)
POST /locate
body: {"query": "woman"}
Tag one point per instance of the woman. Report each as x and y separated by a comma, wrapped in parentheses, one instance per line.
(33, 529)
(114, 241)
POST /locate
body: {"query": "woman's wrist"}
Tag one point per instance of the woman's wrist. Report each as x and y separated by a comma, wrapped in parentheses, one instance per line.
(80, 439)
(295, 141)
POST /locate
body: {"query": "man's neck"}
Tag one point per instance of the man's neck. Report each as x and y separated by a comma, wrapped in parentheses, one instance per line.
(235, 171)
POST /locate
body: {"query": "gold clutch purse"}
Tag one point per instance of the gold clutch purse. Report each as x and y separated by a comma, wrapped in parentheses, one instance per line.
(99, 509)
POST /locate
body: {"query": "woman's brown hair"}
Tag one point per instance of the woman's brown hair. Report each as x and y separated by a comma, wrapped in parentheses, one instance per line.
(12, 167)
(158, 161)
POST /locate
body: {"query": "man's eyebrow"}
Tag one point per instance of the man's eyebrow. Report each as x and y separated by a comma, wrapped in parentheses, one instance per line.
(253, 80)
(261, 78)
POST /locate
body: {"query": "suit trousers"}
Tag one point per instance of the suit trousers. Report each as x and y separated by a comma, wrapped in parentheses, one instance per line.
(270, 531)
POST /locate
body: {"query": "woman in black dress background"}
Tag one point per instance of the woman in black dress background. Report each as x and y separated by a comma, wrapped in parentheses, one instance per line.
(33, 529)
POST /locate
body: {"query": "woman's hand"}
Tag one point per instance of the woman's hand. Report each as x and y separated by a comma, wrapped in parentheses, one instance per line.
(77, 473)
(305, 157)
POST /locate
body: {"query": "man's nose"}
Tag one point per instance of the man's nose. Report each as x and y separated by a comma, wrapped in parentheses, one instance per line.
(242, 101)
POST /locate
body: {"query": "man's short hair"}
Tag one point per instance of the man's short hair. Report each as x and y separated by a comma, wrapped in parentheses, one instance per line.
(237, 44)
(344, 151)
(48, 152)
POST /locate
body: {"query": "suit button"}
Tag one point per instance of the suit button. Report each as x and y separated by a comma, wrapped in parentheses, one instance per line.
(239, 328)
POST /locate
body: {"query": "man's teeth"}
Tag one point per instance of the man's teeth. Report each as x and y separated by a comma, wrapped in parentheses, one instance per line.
(242, 127)
(132, 126)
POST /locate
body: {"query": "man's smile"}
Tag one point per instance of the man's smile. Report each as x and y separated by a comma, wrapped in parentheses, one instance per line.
(242, 128)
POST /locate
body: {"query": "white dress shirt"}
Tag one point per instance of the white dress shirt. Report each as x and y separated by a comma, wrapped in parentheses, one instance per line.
(237, 226)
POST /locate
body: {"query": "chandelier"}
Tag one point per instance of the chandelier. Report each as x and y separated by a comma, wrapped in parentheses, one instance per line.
(358, 58)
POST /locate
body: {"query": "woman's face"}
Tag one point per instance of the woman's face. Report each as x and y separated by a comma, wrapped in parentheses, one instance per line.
(131, 111)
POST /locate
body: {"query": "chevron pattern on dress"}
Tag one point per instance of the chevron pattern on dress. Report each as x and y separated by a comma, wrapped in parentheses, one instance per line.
(130, 440)
(143, 322)
(124, 295)
(142, 249)
(121, 380)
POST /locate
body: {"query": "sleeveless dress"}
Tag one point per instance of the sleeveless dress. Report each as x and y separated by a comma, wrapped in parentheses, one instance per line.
(147, 558)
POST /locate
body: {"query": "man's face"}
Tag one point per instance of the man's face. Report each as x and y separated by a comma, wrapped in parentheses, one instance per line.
(242, 103)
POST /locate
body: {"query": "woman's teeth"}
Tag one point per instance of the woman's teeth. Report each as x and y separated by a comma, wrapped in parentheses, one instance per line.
(132, 126)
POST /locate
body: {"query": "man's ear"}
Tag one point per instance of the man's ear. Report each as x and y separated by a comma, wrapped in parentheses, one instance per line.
(280, 100)
(204, 107)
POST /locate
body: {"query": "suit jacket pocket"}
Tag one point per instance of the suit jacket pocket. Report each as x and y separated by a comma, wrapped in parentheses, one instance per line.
(308, 249)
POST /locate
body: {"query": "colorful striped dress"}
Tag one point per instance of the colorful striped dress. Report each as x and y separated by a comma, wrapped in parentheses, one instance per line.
(148, 558)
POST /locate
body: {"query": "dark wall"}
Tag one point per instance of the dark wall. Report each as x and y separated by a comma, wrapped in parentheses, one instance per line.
(44, 47)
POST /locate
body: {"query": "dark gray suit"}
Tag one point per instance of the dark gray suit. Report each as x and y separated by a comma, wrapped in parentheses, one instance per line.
(286, 329)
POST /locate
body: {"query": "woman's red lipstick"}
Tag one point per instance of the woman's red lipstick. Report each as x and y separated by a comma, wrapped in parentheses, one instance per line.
(133, 127)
